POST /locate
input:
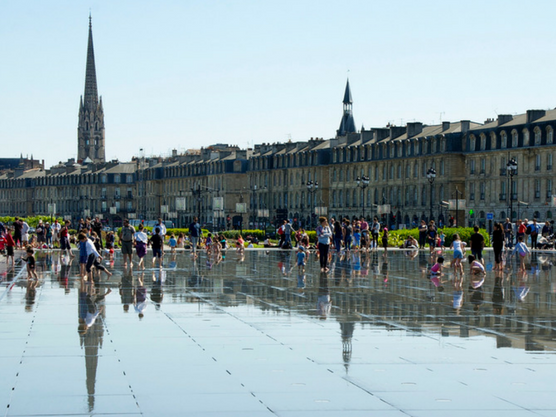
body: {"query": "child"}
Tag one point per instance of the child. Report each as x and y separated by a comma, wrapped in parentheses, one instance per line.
(110, 244)
(208, 243)
(436, 272)
(459, 247)
(172, 242)
(442, 237)
(30, 259)
(91, 254)
(523, 251)
(301, 259)
(475, 267)
(181, 241)
(240, 244)
(97, 262)
(357, 238)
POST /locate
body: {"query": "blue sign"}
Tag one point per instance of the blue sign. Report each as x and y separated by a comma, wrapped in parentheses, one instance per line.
(490, 216)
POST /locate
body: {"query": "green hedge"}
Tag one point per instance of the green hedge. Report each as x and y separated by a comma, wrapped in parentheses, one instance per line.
(397, 237)
(31, 221)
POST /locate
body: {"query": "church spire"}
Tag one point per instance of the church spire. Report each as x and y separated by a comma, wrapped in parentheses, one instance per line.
(90, 128)
(91, 92)
(347, 125)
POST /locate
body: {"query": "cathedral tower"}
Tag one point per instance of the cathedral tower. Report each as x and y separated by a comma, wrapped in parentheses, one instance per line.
(347, 125)
(90, 129)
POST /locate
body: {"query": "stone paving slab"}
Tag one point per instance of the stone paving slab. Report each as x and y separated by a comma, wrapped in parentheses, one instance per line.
(241, 338)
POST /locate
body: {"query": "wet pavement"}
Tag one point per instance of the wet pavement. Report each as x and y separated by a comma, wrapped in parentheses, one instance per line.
(252, 335)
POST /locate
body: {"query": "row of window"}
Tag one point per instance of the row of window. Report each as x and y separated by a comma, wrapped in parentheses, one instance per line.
(503, 171)
(517, 140)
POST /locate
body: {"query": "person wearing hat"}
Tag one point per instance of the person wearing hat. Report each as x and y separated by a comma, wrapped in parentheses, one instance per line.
(48, 234)
(41, 238)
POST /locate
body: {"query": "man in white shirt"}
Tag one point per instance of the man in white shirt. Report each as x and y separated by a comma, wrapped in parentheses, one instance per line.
(162, 228)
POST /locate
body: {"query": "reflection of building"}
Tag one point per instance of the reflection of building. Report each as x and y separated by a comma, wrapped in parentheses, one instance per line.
(403, 305)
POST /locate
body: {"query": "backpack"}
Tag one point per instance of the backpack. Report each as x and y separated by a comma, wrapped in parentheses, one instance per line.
(529, 230)
(127, 233)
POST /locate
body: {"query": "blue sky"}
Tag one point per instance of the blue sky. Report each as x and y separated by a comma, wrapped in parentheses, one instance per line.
(186, 74)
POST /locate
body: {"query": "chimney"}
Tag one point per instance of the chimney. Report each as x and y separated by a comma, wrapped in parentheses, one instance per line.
(414, 129)
(445, 126)
(504, 118)
(464, 125)
(533, 115)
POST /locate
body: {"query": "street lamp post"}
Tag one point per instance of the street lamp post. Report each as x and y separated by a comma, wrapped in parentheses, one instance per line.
(363, 183)
(253, 205)
(312, 188)
(431, 175)
(511, 169)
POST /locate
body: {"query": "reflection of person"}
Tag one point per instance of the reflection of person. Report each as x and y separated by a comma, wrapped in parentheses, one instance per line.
(522, 288)
(140, 302)
(30, 294)
(498, 293)
(324, 302)
(89, 305)
(126, 289)
(157, 293)
(457, 301)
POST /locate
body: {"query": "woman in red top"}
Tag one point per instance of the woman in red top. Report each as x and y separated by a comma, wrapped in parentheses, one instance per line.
(9, 247)
(521, 229)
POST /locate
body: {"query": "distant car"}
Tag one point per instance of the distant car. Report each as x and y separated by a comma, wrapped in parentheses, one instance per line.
(32, 230)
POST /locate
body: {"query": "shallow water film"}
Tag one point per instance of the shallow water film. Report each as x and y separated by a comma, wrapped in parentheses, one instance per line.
(254, 334)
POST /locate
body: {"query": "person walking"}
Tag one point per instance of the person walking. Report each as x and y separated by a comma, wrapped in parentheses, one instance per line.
(498, 246)
(195, 233)
(477, 241)
(338, 236)
(126, 241)
(422, 234)
(534, 227)
(141, 241)
(65, 245)
(508, 232)
(324, 236)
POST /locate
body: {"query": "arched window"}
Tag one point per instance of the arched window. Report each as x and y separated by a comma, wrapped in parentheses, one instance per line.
(514, 139)
(492, 140)
(483, 140)
(525, 137)
(538, 136)
(471, 143)
(549, 135)
(503, 140)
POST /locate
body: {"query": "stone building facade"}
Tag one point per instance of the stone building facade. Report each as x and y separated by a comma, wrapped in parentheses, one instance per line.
(231, 187)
